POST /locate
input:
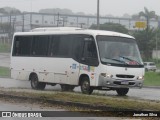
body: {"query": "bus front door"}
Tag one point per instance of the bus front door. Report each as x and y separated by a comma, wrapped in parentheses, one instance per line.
(73, 75)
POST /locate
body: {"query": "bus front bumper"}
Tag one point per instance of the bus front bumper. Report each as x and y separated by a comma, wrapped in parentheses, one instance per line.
(119, 83)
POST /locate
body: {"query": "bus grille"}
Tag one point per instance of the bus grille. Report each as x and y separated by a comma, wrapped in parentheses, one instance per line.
(119, 83)
(125, 76)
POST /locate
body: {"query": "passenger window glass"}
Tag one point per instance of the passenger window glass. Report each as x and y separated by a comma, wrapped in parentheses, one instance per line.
(77, 46)
(60, 46)
(89, 54)
(22, 46)
(89, 48)
(40, 45)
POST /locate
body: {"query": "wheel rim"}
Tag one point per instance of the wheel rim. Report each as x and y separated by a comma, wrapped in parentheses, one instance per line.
(85, 86)
(34, 81)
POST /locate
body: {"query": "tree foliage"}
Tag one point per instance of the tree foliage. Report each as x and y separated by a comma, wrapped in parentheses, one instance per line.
(148, 15)
(145, 42)
(111, 27)
(5, 27)
(9, 10)
(146, 39)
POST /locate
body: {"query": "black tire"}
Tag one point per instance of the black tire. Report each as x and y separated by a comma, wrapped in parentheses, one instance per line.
(122, 91)
(85, 86)
(67, 87)
(35, 84)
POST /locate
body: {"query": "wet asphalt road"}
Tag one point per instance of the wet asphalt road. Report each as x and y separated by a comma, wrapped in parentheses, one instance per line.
(144, 93)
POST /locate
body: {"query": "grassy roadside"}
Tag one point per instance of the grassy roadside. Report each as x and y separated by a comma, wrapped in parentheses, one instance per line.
(120, 102)
(152, 79)
(4, 72)
(5, 48)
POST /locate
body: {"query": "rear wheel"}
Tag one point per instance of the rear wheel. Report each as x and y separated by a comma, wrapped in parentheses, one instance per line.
(122, 91)
(35, 84)
(85, 86)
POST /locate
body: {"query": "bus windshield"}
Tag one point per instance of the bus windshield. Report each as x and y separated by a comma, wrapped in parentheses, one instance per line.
(118, 51)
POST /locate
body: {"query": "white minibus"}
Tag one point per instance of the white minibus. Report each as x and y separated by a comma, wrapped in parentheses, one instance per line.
(70, 57)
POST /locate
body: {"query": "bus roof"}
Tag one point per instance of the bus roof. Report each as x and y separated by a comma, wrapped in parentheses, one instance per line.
(71, 30)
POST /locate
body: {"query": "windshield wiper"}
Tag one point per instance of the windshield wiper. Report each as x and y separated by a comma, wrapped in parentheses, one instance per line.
(130, 59)
(117, 60)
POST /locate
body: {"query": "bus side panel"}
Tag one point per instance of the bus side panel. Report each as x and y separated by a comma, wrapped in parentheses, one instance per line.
(48, 69)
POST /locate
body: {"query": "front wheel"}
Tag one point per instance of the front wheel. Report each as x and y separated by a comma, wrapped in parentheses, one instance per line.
(35, 84)
(85, 86)
(122, 91)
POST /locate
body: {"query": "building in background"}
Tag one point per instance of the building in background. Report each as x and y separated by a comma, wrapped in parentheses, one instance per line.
(28, 21)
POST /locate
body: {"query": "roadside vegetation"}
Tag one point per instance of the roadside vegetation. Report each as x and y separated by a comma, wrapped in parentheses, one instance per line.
(152, 79)
(158, 64)
(94, 100)
(4, 72)
(5, 48)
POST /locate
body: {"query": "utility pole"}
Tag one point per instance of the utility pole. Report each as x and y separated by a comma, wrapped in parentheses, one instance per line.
(31, 20)
(64, 20)
(58, 21)
(97, 14)
(10, 24)
(13, 29)
(23, 22)
(157, 45)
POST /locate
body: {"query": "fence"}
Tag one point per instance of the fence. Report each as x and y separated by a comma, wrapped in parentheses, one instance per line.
(26, 21)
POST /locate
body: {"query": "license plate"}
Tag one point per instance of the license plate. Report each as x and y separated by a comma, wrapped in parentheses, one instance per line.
(124, 82)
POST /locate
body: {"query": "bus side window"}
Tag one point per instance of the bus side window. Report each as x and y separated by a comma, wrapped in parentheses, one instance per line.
(16, 48)
(89, 54)
(53, 45)
(22, 46)
(77, 47)
(89, 49)
(40, 45)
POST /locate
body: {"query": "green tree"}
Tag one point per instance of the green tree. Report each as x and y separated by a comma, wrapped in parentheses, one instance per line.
(5, 27)
(111, 27)
(148, 15)
(9, 10)
(2, 11)
(146, 38)
(158, 39)
(146, 42)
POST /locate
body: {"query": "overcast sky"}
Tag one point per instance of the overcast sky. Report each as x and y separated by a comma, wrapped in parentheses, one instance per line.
(114, 7)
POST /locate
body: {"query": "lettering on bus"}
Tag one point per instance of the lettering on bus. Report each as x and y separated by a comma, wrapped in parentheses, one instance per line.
(87, 68)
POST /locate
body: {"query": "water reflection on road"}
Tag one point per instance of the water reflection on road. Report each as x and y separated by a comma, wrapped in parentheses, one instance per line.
(144, 93)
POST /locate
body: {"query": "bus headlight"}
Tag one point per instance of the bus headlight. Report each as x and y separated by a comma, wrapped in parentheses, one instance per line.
(109, 76)
(140, 77)
(106, 75)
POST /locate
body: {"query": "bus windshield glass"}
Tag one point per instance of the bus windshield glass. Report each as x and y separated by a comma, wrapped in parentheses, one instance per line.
(118, 51)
